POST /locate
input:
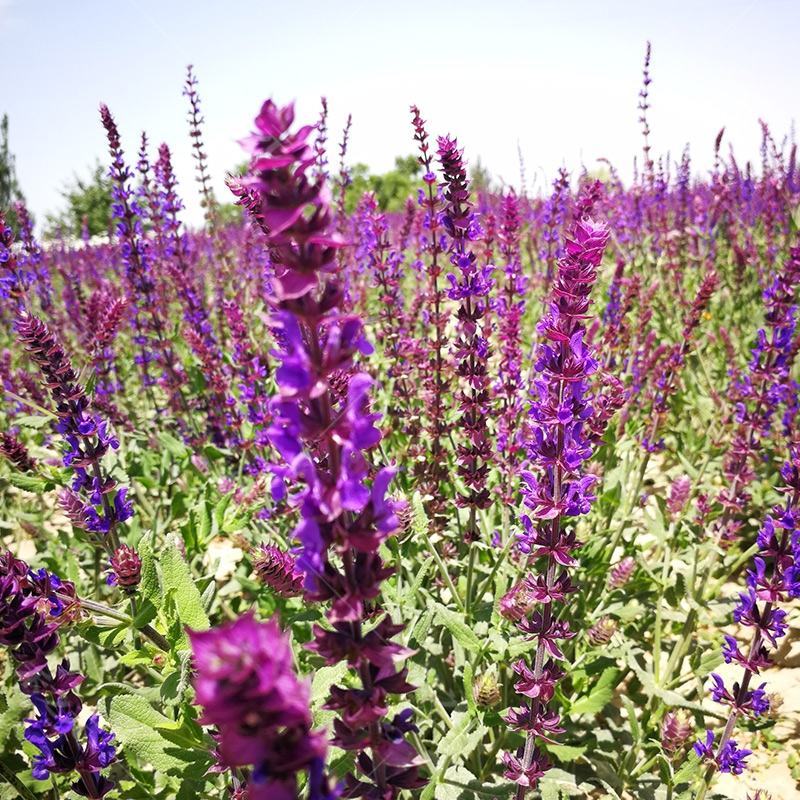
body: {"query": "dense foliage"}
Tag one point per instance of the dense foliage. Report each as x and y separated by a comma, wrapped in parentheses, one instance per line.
(473, 495)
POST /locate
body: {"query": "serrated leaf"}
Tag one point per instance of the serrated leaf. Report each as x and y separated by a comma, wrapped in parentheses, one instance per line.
(461, 739)
(689, 769)
(600, 694)
(175, 447)
(421, 628)
(16, 706)
(29, 483)
(177, 582)
(149, 585)
(31, 421)
(455, 780)
(459, 630)
(408, 595)
(136, 724)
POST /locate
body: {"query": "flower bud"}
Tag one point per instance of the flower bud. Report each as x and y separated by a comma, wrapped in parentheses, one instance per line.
(278, 570)
(676, 729)
(127, 568)
(515, 603)
(601, 632)
(620, 573)
(486, 690)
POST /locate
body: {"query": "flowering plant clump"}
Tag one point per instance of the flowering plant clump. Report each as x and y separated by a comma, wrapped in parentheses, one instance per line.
(419, 485)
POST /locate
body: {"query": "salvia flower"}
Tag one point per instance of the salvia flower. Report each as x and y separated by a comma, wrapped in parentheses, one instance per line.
(471, 284)
(16, 452)
(555, 488)
(510, 308)
(245, 683)
(322, 425)
(95, 498)
(771, 581)
(33, 607)
(435, 370)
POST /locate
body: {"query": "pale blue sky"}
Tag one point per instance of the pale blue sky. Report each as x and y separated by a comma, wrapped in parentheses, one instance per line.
(559, 77)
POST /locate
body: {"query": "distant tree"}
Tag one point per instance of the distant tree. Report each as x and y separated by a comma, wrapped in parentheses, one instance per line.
(10, 192)
(88, 199)
(481, 178)
(391, 188)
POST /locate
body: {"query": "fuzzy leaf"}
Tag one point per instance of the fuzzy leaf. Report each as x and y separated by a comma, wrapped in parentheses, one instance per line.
(458, 628)
(177, 580)
(600, 695)
(135, 723)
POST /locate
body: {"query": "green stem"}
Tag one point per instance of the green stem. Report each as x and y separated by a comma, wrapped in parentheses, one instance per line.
(443, 569)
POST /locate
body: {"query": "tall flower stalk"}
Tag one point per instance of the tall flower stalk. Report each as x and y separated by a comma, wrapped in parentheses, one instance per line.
(95, 502)
(323, 429)
(555, 491)
(510, 307)
(470, 286)
(436, 379)
(134, 249)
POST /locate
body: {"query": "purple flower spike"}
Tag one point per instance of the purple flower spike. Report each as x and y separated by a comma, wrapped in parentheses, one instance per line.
(322, 427)
(554, 489)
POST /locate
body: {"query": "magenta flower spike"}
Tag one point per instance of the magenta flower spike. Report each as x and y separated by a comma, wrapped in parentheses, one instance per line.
(555, 490)
(322, 427)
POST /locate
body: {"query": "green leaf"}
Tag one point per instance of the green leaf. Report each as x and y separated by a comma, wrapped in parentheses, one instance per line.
(136, 724)
(135, 657)
(149, 586)
(458, 628)
(460, 740)
(29, 483)
(323, 679)
(456, 780)
(15, 706)
(690, 769)
(407, 597)
(145, 614)
(422, 626)
(600, 694)
(566, 752)
(31, 421)
(175, 447)
(419, 519)
(177, 581)
(558, 783)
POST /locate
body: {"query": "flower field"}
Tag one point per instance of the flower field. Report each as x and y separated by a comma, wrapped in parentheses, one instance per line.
(496, 496)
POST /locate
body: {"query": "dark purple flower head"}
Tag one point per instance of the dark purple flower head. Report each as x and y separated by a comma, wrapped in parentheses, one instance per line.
(278, 570)
(246, 685)
(126, 568)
